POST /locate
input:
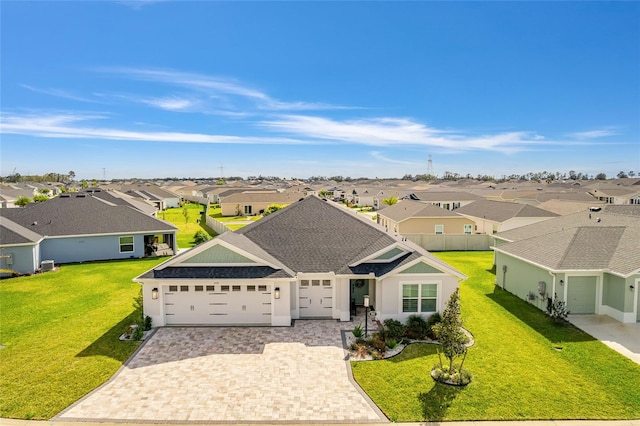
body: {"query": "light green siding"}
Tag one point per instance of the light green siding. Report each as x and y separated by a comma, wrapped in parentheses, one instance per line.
(218, 255)
(390, 254)
(522, 278)
(421, 268)
(613, 295)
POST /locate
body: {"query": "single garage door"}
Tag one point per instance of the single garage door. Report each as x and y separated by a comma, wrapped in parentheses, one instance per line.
(316, 298)
(582, 295)
(217, 304)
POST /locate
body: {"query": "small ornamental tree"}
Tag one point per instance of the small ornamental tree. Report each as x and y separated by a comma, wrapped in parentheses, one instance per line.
(272, 209)
(453, 343)
(22, 201)
(389, 201)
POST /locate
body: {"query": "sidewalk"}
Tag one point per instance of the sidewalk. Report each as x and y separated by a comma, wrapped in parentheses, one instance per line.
(11, 422)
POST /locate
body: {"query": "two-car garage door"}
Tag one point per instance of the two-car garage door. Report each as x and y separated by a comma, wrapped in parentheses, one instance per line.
(217, 304)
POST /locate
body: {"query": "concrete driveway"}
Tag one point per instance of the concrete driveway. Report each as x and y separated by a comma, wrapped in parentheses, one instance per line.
(623, 338)
(234, 374)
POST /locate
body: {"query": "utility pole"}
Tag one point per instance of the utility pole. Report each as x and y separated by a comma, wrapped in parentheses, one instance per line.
(430, 166)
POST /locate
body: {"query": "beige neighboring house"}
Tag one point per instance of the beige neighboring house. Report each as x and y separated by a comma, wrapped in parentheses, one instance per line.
(251, 203)
(414, 217)
(565, 207)
(491, 217)
(617, 195)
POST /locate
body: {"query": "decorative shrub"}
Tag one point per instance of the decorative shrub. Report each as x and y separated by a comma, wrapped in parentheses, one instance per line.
(392, 344)
(138, 333)
(431, 321)
(394, 330)
(456, 377)
(147, 323)
(416, 327)
(357, 331)
(557, 309)
(200, 237)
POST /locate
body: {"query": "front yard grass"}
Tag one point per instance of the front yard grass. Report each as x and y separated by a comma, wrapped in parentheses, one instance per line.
(60, 330)
(519, 371)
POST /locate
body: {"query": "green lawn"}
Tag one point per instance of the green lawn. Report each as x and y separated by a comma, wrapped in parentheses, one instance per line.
(60, 331)
(518, 371)
(187, 228)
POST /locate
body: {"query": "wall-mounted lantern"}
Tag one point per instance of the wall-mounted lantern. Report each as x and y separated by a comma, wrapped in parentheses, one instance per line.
(276, 293)
(154, 293)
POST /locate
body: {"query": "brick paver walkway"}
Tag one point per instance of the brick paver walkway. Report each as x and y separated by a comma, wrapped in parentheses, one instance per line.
(234, 374)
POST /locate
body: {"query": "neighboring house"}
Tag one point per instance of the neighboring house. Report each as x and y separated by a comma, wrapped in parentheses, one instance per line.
(491, 217)
(312, 259)
(19, 249)
(122, 199)
(616, 195)
(251, 203)
(373, 197)
(162, 198)
(590, 260)
(413, 217)
(81, 227)
(449, 200)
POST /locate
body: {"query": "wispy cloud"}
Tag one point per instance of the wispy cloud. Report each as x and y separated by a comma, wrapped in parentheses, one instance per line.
(69, 125)
(218, 87)
(592, 134)
(389, 131)
(59, 93)
(170, 103)
(378, 156)
(139, 4)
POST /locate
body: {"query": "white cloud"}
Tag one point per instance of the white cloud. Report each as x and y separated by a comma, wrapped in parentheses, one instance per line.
(592, 134)
(58, 93)
(170, 103)
(388, 131)
(68, 126)
(224, 88)
(378, 156)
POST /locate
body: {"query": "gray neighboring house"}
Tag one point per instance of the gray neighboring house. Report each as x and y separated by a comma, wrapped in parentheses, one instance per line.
(449, 200)
(590, 260)
(312, 259)
(19, 248)
(80, 227)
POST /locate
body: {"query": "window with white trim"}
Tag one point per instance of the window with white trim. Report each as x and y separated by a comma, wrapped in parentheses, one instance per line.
(248, 209)
(419, 297)
(439, 229)
(467, 229)
(126, 244)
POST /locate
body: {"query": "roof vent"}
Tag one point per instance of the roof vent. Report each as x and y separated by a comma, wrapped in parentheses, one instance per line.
(81, 195)
(65, 195)
(597, 219)
(35, 223)
(595, 209)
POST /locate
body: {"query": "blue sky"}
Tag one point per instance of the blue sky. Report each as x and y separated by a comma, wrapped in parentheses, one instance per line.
(297, 89)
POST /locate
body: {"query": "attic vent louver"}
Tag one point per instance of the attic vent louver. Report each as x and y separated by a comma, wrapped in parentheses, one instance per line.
(81, 195)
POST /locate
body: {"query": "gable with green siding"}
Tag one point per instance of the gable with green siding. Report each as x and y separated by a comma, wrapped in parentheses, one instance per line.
(390, 254)
(421, 268)
(218, 255)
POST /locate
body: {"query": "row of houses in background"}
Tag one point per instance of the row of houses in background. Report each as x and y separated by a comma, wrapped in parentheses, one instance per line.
(590, 258)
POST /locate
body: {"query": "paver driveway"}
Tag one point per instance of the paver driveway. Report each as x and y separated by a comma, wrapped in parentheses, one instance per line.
(257, 374)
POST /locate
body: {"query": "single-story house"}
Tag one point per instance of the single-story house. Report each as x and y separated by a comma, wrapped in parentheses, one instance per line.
(19, 249)
(251, 203)
(491, 217)
(414, 217)
(590, 260)
(312, 259)
(162, 198)
(80, 227)
(616, 195)
(449, 200)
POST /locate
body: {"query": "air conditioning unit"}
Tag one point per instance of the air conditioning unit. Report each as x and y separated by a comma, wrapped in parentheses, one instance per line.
(47, 265)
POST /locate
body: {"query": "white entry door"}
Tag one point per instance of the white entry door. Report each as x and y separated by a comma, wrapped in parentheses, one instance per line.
(316, 298)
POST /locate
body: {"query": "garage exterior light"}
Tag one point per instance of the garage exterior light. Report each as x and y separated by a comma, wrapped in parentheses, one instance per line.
(276, 293)
(154, 293)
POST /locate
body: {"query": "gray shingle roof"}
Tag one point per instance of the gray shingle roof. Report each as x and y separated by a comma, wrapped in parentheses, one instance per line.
(500, 211)
(446, 196)
(407, 209)
(312, 236)
(83, 215)
(577, 242)
(13, 234)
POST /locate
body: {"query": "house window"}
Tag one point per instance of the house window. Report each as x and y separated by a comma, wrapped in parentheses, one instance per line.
(439, 229)
(235, 288)
(251, 288)
(224, 288)
(262, 288)
(199, 288)
(326, 283)
(184, 288)
(304, 283)
(419, 297)
(173, 288)
(126, 244)
(315, 283)
(467, 229)
(211, 288)
(248, 209)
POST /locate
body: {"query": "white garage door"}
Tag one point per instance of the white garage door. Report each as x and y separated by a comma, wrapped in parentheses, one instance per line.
(582, 295)
(316, 298)
(217, 304)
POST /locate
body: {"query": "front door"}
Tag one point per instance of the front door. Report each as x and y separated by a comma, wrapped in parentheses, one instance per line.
(359, 288)
(316, 298)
